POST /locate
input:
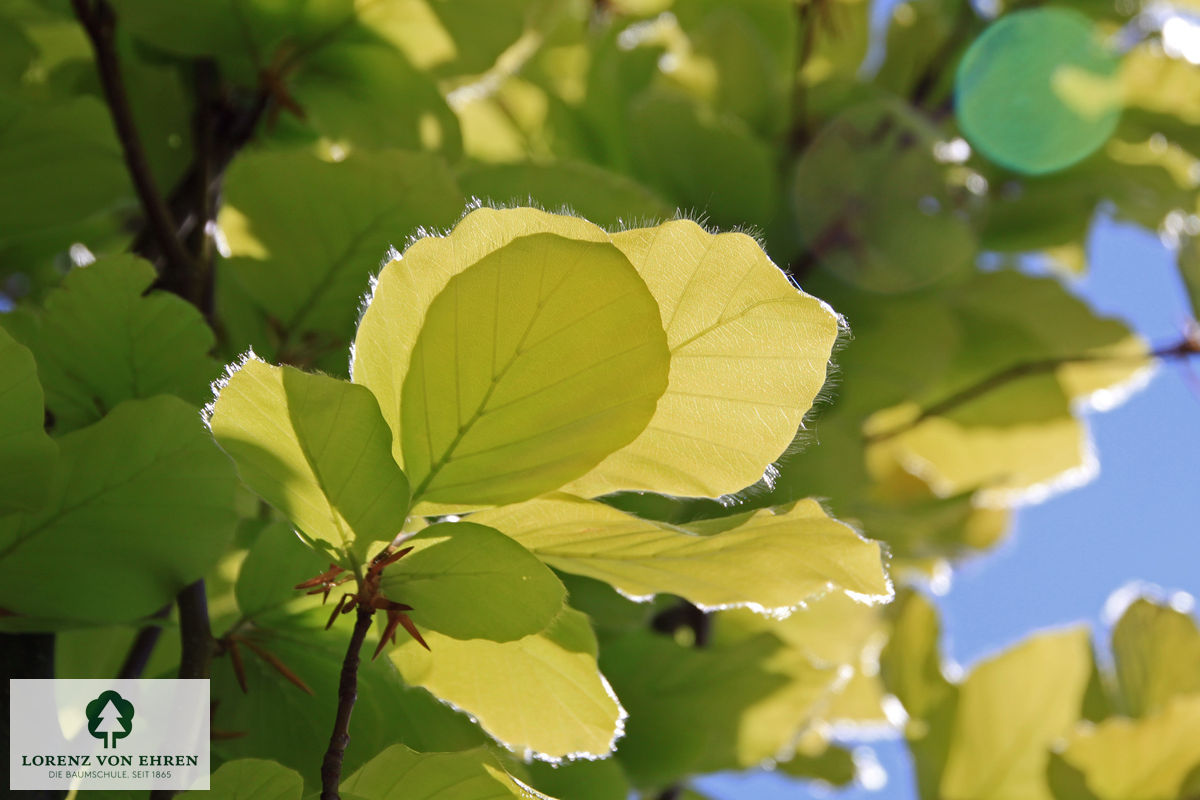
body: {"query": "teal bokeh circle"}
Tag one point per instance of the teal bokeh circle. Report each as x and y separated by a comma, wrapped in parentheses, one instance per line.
(1036, 91)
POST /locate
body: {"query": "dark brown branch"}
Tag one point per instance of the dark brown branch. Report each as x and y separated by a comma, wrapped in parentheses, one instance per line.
(195, 633)
(1182, 349)
(99, 22)
(143, 646)
(331, 767)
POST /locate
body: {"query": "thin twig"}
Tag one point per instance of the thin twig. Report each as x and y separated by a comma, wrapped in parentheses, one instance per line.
(99, 22)
(331, 766)
(1182, 349)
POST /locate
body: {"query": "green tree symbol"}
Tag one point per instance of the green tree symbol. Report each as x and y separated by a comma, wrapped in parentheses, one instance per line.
(110, 717)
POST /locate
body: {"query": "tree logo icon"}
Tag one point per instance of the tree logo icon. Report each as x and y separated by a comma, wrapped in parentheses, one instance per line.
(110, 717)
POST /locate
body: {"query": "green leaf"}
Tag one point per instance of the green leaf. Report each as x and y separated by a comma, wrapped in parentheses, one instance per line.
(277, 720)
(508, 365)
(1001, 418)
(603, 197)
(318, 450)
(875, 207)
(1139, 759)
(674, 135)
(833, 766)
(1001, 736)
(1038, 90)
(60, 164)
(277, 561)
(911, 663)
(1189, 272)
(102, 340)
(718, 708)
(468, 581)
(748, 356)
(27, 454)
(770, 562)
(542, 695)
(401, 774)
(581, 780)
(1156, 651)
(305, 235)
(349, 92)
(252, 779)
(144, 499)
(242, 34)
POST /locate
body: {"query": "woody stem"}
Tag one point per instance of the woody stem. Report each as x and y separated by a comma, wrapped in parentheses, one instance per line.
(331, 767)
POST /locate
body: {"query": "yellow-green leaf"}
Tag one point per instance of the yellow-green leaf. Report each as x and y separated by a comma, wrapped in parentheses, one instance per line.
(531, 366)
(748, 356)
(468, 581)
(770, 562)
(703, 710)
(1139, 759)
(399, 773)
(317, 449)
(253, 779)
(1156, 651)
(748, 351)
(541, 695)
(1010, 710)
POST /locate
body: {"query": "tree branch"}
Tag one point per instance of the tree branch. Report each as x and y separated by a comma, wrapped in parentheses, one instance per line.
(143, 645)
(331, 767)
(1186, 347)
(99, 22)
(195, 633)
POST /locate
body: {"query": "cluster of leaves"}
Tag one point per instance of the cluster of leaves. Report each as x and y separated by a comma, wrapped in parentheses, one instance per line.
(1085, 726)
(555, 416)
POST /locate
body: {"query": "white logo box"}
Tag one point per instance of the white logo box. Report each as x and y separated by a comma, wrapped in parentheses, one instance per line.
(140, 734)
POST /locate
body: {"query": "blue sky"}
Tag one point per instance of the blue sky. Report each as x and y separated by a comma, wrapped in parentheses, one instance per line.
(1136, 521)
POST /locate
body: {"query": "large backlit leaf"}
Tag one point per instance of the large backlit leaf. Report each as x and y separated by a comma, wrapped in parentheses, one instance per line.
(731, 361)
(144, 499)
(398, 773)
(317, 449)
(305, 235)
(509, 366)
(469, 581)
(1010, 709)
(27, 454)
(542, 695)
(1142, 759)
(102, 339)
(704, 710)
(770, 562)
(1156, 651)
(748, 356)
